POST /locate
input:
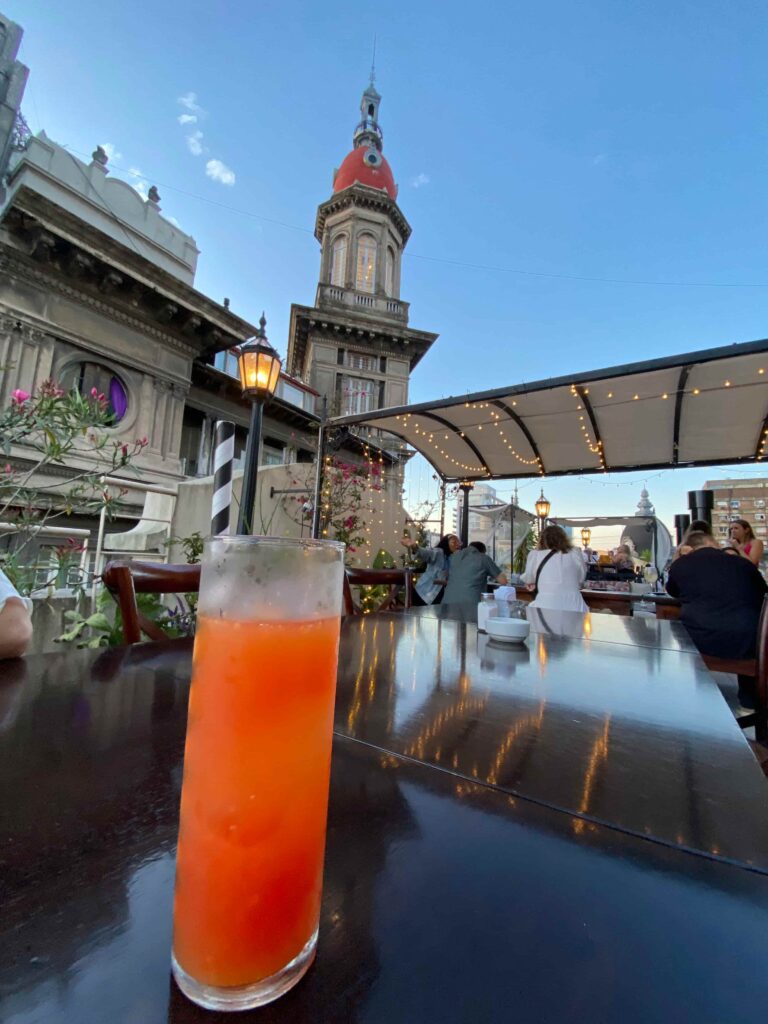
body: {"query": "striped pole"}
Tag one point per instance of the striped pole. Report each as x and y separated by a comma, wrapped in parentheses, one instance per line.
(223, 457)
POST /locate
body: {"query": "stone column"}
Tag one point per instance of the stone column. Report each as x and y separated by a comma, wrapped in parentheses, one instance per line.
(204, 448)
(177, 395)
(161, 402)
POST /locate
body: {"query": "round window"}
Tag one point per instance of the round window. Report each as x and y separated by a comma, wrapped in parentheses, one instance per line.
(87, 377)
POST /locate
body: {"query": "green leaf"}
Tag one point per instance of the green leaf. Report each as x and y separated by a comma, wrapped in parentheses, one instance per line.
(73, 634)
(98, 621)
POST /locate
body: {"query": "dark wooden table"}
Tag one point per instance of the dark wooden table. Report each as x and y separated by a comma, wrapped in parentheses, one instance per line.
(638, 631)
(501, 840)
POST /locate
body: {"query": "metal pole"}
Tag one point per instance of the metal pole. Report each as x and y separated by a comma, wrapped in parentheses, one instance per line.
(319, 471)
(442, 510)
(248, 493)
(98, 553)
(682, 522)
(223, 457)
(466, 488)
(512, 534)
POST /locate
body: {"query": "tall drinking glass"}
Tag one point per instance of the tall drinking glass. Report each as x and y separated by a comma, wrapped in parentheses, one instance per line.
(256, 767)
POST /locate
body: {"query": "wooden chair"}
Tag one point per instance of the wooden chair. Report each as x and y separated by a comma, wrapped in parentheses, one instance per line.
(125, 579)
(393, 578)
(759, 717)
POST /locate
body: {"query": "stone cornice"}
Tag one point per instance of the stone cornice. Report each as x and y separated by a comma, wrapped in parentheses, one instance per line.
(107, 266)
(400, 342)
(364, 197)
(15, 263)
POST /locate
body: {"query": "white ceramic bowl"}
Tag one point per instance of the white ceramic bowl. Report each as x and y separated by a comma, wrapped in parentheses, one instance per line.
(512, 630)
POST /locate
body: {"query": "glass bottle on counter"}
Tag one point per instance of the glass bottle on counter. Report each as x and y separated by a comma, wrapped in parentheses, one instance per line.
(485, 608)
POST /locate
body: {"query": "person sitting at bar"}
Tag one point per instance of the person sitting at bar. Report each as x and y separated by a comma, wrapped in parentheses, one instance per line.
(743, 540)
(721, 598)
(697, 526)
(15, 620)
(622, 562)
(468, 575)
(556, 570)
(431, 584)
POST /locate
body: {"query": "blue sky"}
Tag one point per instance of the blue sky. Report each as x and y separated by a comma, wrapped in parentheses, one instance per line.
(546, 143)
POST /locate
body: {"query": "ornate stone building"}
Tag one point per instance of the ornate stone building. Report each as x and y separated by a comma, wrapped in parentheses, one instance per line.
(96, 290)
(354, 346)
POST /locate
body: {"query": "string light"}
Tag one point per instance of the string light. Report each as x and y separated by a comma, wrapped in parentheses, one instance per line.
(595, 446)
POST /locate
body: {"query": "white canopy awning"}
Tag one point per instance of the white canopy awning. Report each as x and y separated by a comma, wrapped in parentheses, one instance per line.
(703, 408)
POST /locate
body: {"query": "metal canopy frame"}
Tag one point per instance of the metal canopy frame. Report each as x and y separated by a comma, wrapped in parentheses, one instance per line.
(540, 422)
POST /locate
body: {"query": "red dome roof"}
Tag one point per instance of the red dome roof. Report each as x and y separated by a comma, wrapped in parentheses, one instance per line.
(357, 167)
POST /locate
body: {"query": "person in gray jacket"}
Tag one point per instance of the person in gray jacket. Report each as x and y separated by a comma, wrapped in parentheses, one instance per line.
(468, 577)
(431, 584)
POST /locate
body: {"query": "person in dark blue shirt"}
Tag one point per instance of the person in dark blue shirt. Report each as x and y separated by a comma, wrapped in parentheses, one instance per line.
(721, 597)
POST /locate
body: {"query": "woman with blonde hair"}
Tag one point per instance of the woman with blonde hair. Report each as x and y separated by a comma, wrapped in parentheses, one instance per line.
(556, 570)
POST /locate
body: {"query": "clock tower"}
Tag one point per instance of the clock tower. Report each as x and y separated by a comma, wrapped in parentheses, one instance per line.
(354, 345)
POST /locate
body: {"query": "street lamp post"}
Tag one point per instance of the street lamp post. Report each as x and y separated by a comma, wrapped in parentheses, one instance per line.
(542, 510)
(465, 487)
(259, 367)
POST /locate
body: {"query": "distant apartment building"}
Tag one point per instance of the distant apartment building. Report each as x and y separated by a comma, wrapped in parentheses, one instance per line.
(739, 499)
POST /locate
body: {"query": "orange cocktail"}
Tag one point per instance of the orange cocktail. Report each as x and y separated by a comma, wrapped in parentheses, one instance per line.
(255, 793)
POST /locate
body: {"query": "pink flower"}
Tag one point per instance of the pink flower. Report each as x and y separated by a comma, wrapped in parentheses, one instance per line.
(94, 392)
(350, 548)
(19, 397)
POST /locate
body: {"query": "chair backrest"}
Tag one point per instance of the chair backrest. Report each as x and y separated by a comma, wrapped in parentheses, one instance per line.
(761, 677)
(392, 578)
(125, 579)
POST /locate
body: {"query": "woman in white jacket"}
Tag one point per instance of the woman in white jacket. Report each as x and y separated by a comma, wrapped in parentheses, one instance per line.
(562, 572)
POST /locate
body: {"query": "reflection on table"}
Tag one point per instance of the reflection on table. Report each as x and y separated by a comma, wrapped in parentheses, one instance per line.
(637, 737)
(467, 868)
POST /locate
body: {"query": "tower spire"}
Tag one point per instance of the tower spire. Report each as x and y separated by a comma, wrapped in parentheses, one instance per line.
(373, 62)
(368, 133)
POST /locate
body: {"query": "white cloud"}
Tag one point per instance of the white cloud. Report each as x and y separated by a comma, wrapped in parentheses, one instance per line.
(219, 171)
(189, 102)
(139, 182)
(419, 180)
(195, 143)
(111, 150)
(187, 118)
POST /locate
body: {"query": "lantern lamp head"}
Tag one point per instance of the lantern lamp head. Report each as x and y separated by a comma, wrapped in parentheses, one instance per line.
(259, 366)
(542, 506)
(586, 536)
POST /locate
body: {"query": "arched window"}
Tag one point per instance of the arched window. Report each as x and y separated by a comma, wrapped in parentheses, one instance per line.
(389, 272)
(366, 263)
(338, 260)
(89, 376)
